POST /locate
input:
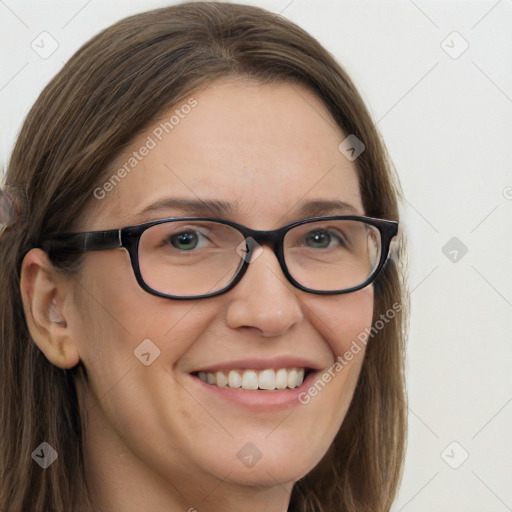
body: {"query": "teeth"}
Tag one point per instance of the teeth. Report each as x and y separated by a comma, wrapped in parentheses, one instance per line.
(292, 379)
(281, 379)
(268, 379)
(221, 379)
(234, 379)
(250, 380)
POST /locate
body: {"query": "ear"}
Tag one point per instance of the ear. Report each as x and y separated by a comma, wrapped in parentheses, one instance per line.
(47, 296)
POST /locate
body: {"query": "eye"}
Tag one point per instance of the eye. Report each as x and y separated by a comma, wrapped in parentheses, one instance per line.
(322, 238)
(185, 240)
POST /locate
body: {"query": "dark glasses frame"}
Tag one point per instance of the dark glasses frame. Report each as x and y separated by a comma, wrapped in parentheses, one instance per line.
(129, 238)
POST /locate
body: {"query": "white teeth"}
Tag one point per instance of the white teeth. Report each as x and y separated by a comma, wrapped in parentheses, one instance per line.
(234, 379)
(268, 379)
(300, 377)
(250, 380)
(222, 380)
(281, 378)
(292, 378)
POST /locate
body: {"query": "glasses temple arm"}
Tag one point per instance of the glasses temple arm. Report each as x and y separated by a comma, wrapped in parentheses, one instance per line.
(83, 242)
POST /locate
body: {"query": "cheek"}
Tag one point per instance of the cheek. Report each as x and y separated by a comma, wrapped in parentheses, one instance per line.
(120, 328)
(118, 324)
(122, 313)
(344, 319)
(343, 323)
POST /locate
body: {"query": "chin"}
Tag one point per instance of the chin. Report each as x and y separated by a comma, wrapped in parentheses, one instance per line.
(271, 469)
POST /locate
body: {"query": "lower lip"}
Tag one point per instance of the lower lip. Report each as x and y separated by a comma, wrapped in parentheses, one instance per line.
(260, 400)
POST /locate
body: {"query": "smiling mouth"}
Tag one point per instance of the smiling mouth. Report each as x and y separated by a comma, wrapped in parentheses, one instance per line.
(254, 380)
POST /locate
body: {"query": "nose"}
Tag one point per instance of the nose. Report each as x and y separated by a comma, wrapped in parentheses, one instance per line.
(264, 299)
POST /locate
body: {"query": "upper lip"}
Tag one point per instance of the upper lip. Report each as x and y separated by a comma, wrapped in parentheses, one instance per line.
(261, 364)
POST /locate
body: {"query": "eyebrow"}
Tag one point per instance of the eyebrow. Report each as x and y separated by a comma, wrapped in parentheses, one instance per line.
(192, 207)
(327, 207)
(219, 208)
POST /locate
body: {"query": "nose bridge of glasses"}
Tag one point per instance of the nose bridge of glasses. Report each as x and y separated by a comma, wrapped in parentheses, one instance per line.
(255, 239)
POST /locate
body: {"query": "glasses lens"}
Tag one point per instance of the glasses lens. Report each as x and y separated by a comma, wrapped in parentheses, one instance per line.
(189, 257)
(332, 255)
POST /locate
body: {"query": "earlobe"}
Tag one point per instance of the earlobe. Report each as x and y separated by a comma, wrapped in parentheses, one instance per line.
(45, 294)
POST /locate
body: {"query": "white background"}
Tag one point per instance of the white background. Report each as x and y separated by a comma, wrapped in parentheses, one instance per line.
(447, 124)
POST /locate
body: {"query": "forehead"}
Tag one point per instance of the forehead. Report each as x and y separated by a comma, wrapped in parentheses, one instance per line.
(265, 149)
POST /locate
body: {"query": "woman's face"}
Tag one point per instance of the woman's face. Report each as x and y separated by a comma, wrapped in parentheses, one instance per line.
(268, 151)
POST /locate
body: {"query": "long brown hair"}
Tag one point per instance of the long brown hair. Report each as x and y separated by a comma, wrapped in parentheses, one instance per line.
(109, 91)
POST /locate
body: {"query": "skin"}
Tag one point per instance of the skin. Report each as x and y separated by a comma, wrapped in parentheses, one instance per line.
(154, 439)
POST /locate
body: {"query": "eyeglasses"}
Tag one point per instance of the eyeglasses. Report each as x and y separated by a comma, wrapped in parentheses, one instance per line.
(199, 257)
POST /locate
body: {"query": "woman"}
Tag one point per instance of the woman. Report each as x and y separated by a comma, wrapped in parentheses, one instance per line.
(198, 308)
